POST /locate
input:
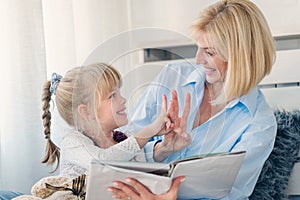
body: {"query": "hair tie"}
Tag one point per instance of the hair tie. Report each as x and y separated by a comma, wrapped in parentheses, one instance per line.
(55, 79)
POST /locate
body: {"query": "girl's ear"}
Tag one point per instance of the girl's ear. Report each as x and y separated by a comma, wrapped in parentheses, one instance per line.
(83, 111)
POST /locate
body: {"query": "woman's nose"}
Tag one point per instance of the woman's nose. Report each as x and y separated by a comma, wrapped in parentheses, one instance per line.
(200, 58)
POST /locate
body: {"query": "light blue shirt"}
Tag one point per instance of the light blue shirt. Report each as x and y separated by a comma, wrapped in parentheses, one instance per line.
(246, 123)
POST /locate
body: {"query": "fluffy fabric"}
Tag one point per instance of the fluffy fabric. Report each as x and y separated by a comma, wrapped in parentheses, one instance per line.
(273, 179)
(40, 191)
(27, 197)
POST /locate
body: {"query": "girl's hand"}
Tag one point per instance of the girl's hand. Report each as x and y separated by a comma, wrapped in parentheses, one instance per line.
(135, 190)
(163, 125)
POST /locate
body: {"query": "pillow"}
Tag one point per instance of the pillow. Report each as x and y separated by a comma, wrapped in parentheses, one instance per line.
(273, 180)
(7, 195)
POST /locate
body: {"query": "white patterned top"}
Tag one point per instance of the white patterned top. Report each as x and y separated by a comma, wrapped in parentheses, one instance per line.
(77, 152)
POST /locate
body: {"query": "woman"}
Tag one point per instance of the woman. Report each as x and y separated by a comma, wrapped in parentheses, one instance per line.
(235, 52)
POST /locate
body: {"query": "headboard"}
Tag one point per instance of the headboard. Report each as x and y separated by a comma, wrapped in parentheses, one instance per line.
(281, 87)
(282, 91)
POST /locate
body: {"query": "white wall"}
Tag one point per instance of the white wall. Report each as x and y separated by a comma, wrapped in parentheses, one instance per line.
(177, 15)
(74, 29)
(283, 16)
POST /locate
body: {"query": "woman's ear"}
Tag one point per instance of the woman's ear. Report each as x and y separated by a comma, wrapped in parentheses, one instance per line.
(83, 112)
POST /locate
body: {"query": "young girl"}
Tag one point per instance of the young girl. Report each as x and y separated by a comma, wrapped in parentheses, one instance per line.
(88, 99)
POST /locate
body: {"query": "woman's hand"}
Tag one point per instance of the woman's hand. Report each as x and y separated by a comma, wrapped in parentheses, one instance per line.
(174, 108)
(178, 138)
(135, 190)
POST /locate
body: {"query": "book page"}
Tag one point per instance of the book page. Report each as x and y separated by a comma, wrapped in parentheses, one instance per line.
(207, 155)
(102, 176)
(210, 177)
(149, 167)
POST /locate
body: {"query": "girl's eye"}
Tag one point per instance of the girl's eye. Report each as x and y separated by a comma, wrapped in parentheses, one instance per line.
(113, 95)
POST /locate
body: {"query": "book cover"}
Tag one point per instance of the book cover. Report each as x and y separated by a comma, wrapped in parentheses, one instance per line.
(207, 176)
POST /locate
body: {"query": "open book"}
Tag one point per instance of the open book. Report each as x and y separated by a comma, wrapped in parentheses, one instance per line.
(210, 175)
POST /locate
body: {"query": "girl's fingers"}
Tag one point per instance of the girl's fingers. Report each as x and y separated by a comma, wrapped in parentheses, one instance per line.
(169, 124)
(164, 105)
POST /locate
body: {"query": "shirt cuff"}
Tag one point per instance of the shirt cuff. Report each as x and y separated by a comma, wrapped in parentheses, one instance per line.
(149, 150)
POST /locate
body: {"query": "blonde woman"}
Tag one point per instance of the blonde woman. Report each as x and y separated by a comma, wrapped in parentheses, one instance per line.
(235, 52)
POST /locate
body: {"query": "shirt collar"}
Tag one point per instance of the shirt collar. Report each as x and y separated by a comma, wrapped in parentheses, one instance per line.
(249, 101)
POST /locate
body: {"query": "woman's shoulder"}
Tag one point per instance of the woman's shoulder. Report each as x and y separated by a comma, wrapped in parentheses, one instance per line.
(255, 102)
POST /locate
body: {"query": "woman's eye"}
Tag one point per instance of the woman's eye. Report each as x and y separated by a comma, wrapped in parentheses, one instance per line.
(210, 53)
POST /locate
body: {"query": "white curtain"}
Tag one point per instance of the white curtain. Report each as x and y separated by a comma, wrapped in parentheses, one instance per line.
(23, 71)
(37, 38)
(74, 28)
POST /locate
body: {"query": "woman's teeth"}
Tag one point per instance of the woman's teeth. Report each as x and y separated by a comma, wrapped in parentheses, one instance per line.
(211, 69)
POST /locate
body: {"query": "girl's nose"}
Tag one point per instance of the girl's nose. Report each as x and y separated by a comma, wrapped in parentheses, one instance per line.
(124, 100)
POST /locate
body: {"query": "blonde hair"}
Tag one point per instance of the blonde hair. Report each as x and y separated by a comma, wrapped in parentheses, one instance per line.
(80, 85)
(240, 35)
